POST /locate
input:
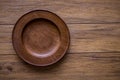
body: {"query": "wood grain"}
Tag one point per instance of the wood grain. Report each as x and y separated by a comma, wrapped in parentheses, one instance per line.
(85, 66)
(72, 11)
(84, 38)
(95, 40)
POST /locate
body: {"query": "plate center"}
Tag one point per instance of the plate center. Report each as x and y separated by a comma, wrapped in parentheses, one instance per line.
(41, 36)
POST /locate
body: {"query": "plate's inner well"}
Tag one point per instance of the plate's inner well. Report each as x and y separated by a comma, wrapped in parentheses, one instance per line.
(41, 37)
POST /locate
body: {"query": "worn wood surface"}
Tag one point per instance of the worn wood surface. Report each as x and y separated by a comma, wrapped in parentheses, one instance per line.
(84, 38)
(94, 52)
(83, 66)
(72, 11)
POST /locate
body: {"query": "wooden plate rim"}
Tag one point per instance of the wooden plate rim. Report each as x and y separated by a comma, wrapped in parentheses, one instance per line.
(67, 33)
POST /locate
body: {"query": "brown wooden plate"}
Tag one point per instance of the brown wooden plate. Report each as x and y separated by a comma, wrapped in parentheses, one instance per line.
(40, 38)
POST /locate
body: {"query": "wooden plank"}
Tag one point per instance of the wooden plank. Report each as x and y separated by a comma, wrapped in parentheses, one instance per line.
(72, 11)
(84, 38)
(84, 66)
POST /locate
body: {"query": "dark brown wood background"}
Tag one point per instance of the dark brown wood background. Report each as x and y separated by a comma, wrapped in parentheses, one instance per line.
(94, 52)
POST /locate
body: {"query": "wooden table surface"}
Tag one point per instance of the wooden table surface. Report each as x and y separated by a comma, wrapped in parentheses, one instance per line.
(94, 52)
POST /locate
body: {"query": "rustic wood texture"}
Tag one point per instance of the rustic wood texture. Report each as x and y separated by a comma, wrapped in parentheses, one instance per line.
(72, 11)
(83, 66)
(84, 38)
(94, 52)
